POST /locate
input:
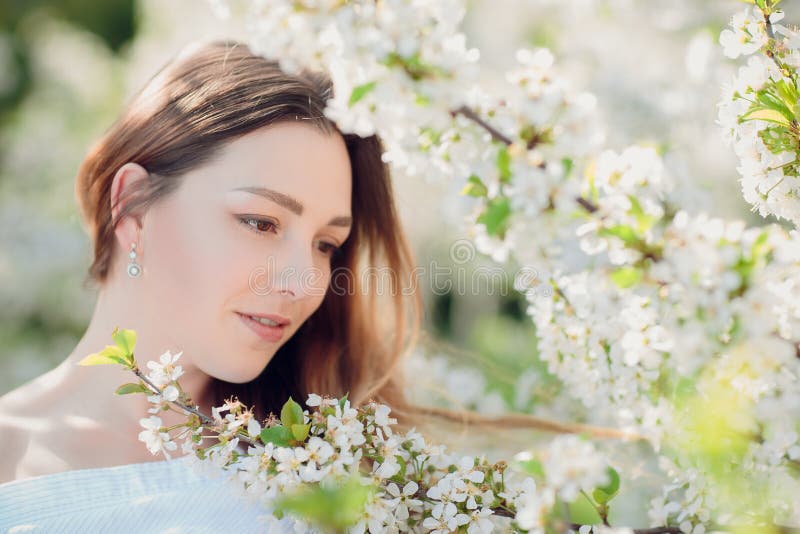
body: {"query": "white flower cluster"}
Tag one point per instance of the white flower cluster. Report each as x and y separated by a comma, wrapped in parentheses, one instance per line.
(421, 487)
(417, 486)
(757, 111)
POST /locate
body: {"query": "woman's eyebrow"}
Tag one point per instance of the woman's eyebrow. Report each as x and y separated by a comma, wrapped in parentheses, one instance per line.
(291, 203)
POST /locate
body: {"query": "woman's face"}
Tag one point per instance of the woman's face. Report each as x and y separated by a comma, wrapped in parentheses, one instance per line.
(251, 233)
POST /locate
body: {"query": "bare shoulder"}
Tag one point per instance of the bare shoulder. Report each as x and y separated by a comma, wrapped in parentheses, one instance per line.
(15, 435)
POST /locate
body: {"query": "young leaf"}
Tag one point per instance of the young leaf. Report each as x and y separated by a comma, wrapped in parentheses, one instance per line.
(626, 277)
(360, 92)
(291, 414)
(335, 507)
(475, 187)
(621, 231)
(300, 432)
(532, 466)
(768, 115)
(504, 164)
(278, 435)
(125, 339)
(612, 487)
(125, 389)
(109, 355)
(495, 216)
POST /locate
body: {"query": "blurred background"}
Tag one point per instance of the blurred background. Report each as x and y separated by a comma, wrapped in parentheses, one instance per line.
(67, 67)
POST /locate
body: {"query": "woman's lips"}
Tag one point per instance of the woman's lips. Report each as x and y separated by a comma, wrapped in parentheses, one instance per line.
(265, 332)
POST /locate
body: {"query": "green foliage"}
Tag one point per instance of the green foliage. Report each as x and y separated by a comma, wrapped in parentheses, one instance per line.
(291, 414)
(604, 494)
(475, 187)
(626, 277)
(503, 163)
(121, 353)
(334, 507)
(291, 431)
(496, 216)
(622, 232)
(360, 92)
(532, 466)
(126, 389)
(109, 355)
(583, 511)
(279, 435)
(342, 400)
(125, 340)
(300, 432)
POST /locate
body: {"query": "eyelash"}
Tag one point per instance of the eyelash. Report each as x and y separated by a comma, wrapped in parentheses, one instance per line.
(333, 250)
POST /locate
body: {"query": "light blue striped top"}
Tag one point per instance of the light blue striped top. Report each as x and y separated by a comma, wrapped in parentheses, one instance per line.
(169, 496)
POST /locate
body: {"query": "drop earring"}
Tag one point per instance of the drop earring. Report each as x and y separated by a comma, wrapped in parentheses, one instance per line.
(134, 269)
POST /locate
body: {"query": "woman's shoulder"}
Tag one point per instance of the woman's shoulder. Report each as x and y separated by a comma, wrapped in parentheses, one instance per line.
(15, 434)
(29, 426)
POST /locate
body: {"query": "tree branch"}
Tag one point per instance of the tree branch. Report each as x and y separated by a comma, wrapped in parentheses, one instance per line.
(499, 136)
(204, 419)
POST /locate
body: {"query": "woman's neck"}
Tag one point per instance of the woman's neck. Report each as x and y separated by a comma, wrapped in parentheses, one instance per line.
(88, 391)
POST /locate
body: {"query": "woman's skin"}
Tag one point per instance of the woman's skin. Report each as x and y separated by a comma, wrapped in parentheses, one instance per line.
(201, 266)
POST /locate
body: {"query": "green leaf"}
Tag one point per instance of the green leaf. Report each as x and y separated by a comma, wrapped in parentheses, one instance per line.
(684, 390)
(291, 414)
(568, 166)
(342, 400)
(278, 435)
(360, 92)
(626, 277)
(771, 101)
(125, 340)
(612, 487)
(125, 389)
(504, 164)
(600, 496)
(768, 115)
(531, 466)
(475, 187)
(495, 216)
(643, 221)
(583, 511)
(109, 355)
(333, 507)
(621, 231)
(300, 432)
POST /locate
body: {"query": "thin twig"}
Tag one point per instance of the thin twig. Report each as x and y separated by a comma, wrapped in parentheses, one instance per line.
(519, 420)
(654, 530)
(471, 115)
(204, 419)
(588, 205)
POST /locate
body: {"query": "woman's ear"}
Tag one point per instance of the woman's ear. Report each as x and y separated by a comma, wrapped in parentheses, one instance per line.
(128, 179)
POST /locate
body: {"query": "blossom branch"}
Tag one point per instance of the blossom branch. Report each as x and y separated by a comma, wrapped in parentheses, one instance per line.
(206, 421)
(586, 204)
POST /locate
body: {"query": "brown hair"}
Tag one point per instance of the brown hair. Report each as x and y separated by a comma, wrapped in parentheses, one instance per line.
(210, 94)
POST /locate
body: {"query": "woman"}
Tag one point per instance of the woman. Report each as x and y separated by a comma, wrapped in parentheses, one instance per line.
(230, 221)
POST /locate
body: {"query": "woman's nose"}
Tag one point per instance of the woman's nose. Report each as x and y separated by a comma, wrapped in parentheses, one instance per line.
(294, 276)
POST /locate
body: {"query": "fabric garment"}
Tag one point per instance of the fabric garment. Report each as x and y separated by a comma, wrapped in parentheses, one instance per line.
(165, 497)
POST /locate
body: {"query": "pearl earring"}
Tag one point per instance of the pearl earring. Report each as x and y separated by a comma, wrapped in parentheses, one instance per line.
(134, 269)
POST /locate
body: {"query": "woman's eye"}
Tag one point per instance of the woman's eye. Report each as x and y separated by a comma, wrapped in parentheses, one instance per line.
(260, 226)
(330, 250)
